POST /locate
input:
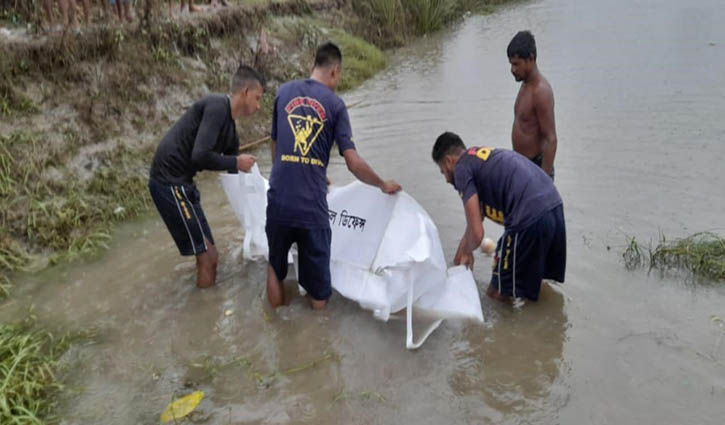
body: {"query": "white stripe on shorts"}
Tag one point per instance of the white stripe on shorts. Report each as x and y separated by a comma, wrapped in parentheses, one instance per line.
(516, 243)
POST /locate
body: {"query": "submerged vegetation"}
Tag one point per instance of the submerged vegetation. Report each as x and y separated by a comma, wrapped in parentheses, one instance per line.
(702, 254)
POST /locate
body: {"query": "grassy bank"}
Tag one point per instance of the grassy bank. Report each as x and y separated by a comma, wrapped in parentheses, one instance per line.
(80, 114)
(56, 213)
(98, 103)
(399, 20)
(702, 255)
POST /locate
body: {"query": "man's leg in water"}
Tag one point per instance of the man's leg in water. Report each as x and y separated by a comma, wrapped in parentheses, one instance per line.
(314, 262)
(206, 265)
(493, 293)
(317, 304)
(500, 273)
(275, 288)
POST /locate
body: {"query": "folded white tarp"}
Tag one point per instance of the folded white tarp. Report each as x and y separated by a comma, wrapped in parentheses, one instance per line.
(386, 253)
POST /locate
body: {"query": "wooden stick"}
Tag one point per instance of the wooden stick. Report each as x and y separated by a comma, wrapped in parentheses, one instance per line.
(255, 143)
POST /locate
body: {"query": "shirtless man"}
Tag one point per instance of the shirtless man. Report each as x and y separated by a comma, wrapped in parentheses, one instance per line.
(534, 130)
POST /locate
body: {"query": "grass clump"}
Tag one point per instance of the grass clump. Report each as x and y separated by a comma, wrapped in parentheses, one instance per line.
(13, 103)
(19, 12)
(361, 60)
(429, 15)
(398, 20)
(702, 254)
(28, 364)
(63, 215)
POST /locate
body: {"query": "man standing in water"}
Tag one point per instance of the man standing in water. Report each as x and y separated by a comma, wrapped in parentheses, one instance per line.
(308, 118)
(204, 138)
(534, 130)
(511, 191)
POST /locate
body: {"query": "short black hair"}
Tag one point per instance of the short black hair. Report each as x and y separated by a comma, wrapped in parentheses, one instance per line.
(246, 76)
(447, 144)
(522, 45)
(328, 54)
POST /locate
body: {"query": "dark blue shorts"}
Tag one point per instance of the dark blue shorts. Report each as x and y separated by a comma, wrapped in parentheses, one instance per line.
(526, 257)
(538, 160)
(313, 246)
(180, 208)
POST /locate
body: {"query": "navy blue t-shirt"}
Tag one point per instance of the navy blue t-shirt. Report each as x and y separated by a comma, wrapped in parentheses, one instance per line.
(512, 190)
(308, 118)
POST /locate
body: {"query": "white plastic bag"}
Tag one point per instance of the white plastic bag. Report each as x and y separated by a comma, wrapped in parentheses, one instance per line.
(247, 194)
(386, 253)
(408, 270)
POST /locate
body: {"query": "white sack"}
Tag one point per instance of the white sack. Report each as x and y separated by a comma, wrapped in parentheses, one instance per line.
(386, 253)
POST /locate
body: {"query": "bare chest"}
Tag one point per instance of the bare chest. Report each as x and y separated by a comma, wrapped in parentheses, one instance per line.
(524, 110)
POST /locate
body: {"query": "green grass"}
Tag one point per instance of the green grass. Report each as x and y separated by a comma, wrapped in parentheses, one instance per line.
(19, 12)
(361, 60)
(4, 286)
(28, 366)
(398, 20)
(429, 15)
(13, 104)
(702, 255)
(64, 217)
(388, 15)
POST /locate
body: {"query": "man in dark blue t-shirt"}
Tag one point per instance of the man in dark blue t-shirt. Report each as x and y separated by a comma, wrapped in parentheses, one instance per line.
(308, 118)
(507, 188)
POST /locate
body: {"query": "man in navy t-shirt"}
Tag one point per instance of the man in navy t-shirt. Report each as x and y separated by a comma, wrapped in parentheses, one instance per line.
(308, 118)
(509, 189)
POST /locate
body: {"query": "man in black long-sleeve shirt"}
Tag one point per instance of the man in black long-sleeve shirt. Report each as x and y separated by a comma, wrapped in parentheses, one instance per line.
(204, 138)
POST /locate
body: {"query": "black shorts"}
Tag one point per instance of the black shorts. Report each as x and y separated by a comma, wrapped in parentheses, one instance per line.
(538, 160)
(524, 258)
(180, 208)
(313, 246)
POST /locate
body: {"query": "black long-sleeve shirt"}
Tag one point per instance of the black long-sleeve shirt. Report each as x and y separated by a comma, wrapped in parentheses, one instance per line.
(204, 138)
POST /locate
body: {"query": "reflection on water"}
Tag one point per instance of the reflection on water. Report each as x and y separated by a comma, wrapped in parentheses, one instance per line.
(514, 365)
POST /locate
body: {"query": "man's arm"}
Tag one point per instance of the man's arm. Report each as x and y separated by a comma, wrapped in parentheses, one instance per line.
(273, 149)
(544, 104)
(360, 169)
(473, 235)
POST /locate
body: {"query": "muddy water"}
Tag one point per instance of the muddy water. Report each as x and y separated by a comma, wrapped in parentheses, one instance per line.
(640, 97)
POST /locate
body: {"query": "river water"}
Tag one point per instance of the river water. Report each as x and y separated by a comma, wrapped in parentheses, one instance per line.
(640, 96)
